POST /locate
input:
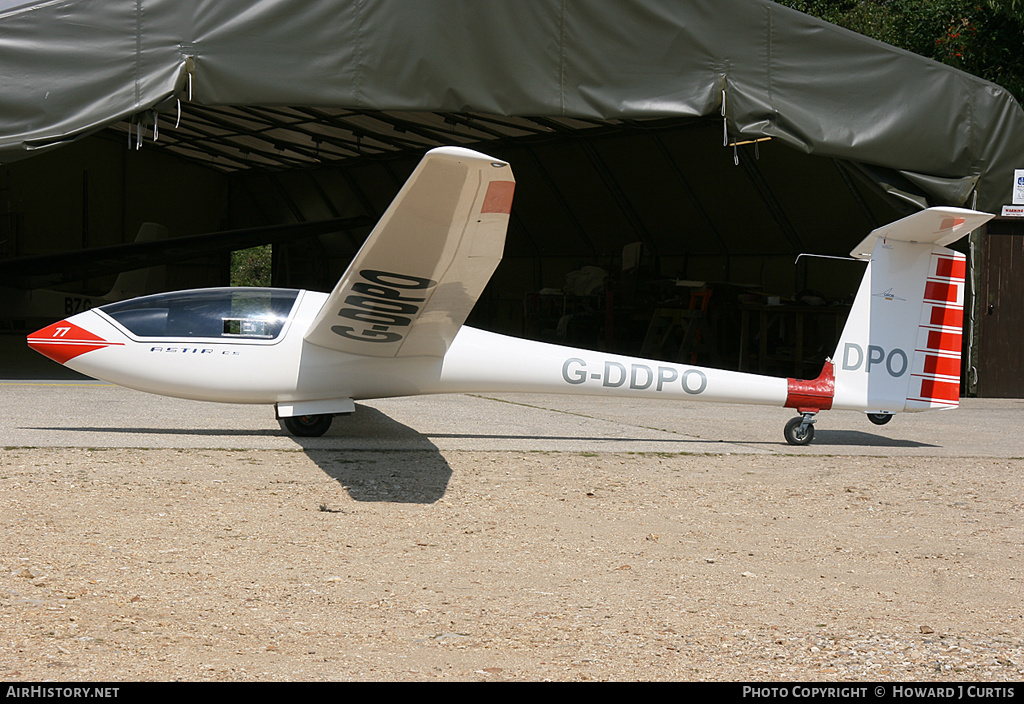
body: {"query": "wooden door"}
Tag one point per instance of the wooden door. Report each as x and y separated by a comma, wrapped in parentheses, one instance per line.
(1000, 311)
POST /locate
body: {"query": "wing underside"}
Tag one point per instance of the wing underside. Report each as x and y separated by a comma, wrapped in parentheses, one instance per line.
(420, 272)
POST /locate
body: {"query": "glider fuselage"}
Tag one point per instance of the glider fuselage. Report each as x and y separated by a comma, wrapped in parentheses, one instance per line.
(394, 324)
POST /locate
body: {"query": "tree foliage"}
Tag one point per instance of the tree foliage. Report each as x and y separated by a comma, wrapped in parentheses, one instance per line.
(251, 267)
(981, 37)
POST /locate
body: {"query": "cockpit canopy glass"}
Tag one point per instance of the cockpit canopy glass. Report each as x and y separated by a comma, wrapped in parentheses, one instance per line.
(231, 313)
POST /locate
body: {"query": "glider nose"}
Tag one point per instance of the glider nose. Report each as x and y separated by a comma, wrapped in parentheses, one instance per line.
(65, 340)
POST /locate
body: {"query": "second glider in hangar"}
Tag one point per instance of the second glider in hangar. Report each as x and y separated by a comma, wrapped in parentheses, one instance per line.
(393, 325)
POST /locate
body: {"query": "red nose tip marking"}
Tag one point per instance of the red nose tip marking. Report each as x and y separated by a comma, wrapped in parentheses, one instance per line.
(63, 341)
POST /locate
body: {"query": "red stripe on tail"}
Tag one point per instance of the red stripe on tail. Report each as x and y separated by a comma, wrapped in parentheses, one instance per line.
(813, 395)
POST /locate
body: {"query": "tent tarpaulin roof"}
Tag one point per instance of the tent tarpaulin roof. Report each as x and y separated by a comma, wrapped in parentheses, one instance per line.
(71, 67)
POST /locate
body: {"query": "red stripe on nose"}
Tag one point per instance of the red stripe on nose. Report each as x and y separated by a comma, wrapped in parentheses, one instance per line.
(63, 341)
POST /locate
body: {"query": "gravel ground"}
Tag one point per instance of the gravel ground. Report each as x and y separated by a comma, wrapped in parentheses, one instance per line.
(274, 564)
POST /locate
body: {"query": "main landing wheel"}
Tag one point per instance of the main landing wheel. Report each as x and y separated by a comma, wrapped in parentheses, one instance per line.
(307, 426)
(796, 436)
(879, 418)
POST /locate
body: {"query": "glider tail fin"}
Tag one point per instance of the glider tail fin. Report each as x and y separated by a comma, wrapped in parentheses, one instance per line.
(900, 348)
(130, 284)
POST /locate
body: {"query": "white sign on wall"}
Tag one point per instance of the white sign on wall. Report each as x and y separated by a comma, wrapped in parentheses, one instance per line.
(1018, 187)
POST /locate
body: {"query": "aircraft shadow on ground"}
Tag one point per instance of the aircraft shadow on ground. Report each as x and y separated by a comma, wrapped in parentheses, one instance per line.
(862, 439)
(383, 460)
(566, 438)
(376, 458)
(380, 459)
(824, 437)
(212, 432)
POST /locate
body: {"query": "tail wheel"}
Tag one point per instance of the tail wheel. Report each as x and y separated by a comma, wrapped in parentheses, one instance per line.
(798, 432)
(879, 418)
(307, 426)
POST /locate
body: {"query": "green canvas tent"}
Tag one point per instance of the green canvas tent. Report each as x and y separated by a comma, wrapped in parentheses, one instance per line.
(70, 67)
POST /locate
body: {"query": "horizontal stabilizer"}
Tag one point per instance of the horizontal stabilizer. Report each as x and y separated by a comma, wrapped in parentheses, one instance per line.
(941, 226)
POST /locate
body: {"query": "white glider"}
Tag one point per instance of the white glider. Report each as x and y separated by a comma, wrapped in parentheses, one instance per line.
(38, 304)
(393, 326)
